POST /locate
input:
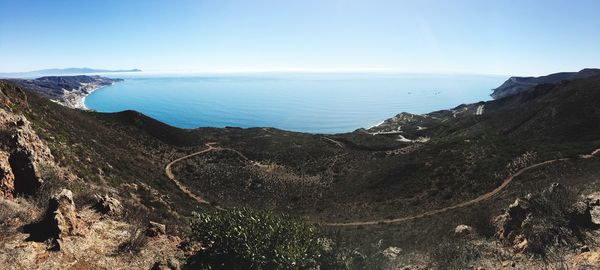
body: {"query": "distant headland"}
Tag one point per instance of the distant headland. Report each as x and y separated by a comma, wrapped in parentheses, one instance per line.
(63, 71)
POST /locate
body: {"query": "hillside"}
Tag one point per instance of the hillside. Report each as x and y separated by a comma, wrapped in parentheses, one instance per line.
(66, 90)
(515, 85)
(403, 168)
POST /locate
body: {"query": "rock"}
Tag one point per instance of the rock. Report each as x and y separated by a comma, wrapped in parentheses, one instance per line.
(22, 155)
(594, 199)
(62, 215)
(583, 249)
(506, 264)
(168, 264)
(391, 253)
(7, 178)
(108, 205)
(463, 230)
(512, 219)
(595, 215)
(59, 222)
(156, 229)
(27, 176)
(579, 214)
(520, 243)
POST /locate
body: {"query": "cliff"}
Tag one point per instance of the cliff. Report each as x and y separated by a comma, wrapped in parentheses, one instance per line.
(515, 85)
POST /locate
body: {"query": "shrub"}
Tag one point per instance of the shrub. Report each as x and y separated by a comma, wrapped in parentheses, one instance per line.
(458, 254)
(253, 239)
(136, 238)
(551, 224)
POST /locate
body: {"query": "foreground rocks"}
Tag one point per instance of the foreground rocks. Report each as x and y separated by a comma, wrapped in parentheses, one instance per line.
(62, 215)
(108, 205)
(156, 229)
(23, 157)
(60, 221)
(546, 219)
(98, 248)
(463, 230)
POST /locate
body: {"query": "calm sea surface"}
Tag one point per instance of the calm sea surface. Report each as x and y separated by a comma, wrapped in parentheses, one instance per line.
(317, 103)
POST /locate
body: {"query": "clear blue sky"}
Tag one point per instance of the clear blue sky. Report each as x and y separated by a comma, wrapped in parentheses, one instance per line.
(517, 37)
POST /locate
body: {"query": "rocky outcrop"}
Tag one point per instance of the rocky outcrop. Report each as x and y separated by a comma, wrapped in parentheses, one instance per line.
(62, 215)
(22, 156)
(515, 85)
(60, 221)
(593, 204)
(108, 205)
(156, 229)
(546, 218)
(7, 178)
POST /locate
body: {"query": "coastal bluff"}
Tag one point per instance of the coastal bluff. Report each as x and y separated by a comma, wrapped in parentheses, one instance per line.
(66, 90)
(515, 85)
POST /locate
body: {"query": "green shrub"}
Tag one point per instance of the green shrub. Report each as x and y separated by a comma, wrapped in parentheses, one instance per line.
(252, 239)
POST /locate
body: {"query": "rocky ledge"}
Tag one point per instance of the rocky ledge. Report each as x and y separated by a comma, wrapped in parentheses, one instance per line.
(69, 91)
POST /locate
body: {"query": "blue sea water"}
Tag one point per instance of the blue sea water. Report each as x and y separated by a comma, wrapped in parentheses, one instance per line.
(316, 103)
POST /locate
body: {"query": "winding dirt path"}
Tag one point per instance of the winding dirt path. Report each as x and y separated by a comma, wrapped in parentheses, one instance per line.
(483, 197)
(210, 147)
(183, 188)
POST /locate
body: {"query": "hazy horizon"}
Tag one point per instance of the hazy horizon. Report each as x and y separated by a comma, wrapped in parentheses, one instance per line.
(459, 37)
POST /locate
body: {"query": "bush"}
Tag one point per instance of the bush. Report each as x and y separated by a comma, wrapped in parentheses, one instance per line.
(457, 254)
(136, 238)
(253, 239)
(551, 223)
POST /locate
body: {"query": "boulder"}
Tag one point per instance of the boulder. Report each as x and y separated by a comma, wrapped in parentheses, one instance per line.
(391, 253)
(108, 205)
(155, 229)
(62, 215)
(60, 221)
(463, 230)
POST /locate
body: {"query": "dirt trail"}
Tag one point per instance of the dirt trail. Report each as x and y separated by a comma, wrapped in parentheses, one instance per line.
(460, 205)
(483, 197)
(210, 147)
(338, 143)
(183, 188)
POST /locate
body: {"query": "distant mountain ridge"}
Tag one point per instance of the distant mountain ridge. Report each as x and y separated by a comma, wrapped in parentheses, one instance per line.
(515, 85)
(63, 71)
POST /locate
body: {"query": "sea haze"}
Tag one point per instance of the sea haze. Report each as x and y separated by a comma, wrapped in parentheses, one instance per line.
(316, 103)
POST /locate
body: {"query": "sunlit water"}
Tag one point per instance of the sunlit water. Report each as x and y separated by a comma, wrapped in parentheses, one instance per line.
(317, 103)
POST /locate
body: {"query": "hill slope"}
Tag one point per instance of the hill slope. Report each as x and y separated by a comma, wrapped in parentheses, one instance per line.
(411, 164)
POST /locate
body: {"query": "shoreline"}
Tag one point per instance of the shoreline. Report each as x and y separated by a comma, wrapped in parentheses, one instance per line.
(76, 99)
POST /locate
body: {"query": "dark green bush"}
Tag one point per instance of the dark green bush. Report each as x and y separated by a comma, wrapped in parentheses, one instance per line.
(253, 239)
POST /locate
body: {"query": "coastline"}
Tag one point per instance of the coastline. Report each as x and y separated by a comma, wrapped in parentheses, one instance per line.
(76, 99)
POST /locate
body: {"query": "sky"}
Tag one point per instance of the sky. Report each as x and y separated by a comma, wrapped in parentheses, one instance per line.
(508, 37)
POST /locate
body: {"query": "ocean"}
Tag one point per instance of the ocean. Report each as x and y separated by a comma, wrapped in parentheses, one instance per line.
(315, 103)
